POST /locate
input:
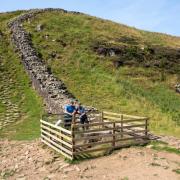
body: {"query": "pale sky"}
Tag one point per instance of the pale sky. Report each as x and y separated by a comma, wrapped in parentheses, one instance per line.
(153, 15)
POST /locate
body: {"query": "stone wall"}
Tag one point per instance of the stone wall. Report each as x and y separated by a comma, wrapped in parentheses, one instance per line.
(53, 91)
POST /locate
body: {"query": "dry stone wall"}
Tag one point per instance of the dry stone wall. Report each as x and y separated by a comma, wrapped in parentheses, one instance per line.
(53, 91)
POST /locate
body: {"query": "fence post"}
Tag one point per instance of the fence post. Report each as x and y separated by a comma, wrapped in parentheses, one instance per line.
(102, 116)
(121, 126)
(146, 126)
(102, 119)
(114, 137)
(73, 141)
(41, 129)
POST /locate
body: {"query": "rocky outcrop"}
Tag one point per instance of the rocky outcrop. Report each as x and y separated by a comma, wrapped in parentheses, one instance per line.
(147, 56)
(49, 87)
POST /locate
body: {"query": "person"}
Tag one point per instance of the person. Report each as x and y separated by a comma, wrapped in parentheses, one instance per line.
(69, 113)
(82, 114)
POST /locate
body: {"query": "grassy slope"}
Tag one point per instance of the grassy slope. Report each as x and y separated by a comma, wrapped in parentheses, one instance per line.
(94, 81)
(19, 90)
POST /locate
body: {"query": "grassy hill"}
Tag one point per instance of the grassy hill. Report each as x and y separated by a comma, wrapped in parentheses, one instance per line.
(104, 64)
(20, 107)
(69, 44)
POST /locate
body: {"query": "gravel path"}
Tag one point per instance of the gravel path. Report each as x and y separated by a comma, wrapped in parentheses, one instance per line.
(31, 160)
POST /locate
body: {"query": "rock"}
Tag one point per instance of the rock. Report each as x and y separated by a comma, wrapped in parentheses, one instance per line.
(64, 176)
(21, 178)
(66, 170)
(149, 146)
(85, 169)
(27, 152)
(77, 168)
(125, 157)
(141, 153)
(53, 54)
(92, 167)
(51, 176)
(46, 36)
(118, 63)
(64, 166)
(39, 27)
(42, 169)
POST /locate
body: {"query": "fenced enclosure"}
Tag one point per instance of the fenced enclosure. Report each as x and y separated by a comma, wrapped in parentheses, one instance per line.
(105, 132)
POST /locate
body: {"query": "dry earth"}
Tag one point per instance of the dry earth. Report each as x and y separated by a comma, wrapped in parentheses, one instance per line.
(25, 160)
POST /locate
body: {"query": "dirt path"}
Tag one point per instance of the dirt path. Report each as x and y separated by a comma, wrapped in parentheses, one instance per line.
(31, 160)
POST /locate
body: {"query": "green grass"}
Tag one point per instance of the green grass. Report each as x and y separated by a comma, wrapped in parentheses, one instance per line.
(161, 146)
(91, 78)
(19, 91)
(94, 81)
(176, 171)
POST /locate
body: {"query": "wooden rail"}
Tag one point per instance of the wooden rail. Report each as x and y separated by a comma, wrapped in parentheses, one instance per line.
(112, 131)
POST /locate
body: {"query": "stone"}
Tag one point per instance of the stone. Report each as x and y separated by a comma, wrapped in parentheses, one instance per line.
(149, 146)
(77, 168)
(39, 27)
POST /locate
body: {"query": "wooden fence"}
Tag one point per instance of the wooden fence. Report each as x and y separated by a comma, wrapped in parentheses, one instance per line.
(104, 132)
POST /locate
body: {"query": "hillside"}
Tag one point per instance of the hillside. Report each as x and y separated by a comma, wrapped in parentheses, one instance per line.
(20, 107)
(104, 64)
(112, 66)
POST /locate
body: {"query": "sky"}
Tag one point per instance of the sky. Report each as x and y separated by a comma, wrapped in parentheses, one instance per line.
(152, 15)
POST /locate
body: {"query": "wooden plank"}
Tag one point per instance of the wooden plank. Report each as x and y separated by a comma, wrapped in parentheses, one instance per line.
(56, 149)
(94, 137)
(92, 150)
(112, 113)
(60, 146)
(135, 117)
(111, 118)
(57, 133)
(56, 127)
(131, 133)
(117, 114)
(93, 143)
(57, 139)
(139, 125)
(107, 122)
(116, 147)
(94, 130)
(107, 142)
(107, 135)
(131, 138)
(125, 120)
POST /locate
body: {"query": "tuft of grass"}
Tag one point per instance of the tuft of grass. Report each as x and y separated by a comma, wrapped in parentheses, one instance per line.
(161, 146)
(176, 171)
